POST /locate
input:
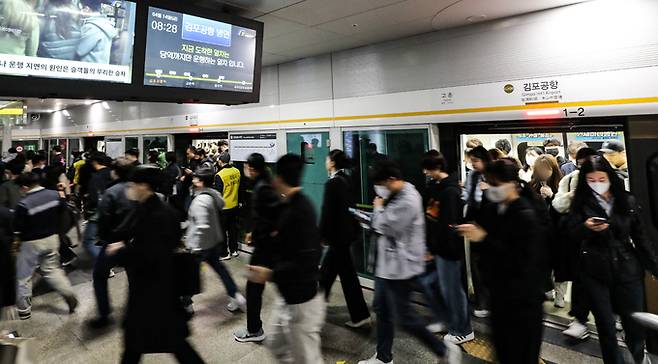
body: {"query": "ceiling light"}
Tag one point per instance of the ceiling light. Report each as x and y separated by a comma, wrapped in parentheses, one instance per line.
(106, 106)
(66, 113)
(89, 102)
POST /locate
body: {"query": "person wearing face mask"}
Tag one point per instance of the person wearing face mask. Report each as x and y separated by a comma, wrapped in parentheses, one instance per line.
(531, 155)
(614, 255)
(474, 199)
(614, 152)
(552, 147)
(399, 222)
(514, 261)
(144, 243)
(544, 183)
(339, 229)
(561, 204)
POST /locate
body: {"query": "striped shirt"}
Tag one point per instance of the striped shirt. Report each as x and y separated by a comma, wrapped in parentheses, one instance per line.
(37, 216)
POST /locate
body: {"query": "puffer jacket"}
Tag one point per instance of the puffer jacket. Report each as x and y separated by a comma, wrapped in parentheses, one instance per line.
(204, 230)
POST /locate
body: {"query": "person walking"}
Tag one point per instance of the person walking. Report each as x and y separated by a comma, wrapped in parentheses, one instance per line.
(7, 264)
(265, 205)
(227, 182)
(399, 223)
(205, 235)
(614, 254)
(339, 229)
(444, 209)
(514, 263)
(299, 310)
(37, 226)
(10, 191)
(144, 243)
(98, 182)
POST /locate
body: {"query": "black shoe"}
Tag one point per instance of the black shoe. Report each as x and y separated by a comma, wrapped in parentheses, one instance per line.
(24, 315)
(100, 322)
(72, 302)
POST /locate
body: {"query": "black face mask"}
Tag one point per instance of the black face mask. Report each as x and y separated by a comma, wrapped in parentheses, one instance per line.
(553, 151)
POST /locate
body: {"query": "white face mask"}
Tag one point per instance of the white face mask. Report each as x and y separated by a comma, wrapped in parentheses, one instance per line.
(599, 187)
(531, 160)
(497, 194)
(382, 192)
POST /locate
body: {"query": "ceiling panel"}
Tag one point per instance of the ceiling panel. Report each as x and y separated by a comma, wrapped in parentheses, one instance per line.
(275, 26)
(304, 38)
(265, 6)
(315, 12)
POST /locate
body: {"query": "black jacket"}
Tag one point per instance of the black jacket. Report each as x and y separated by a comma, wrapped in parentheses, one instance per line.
(514, 253)
(39, 215)
(7, 265)
(297, 251)
(112, 209)
(265, 205)
(337, 226)
(622, 252)
(442, 240)
(97, 185)
(155, 320)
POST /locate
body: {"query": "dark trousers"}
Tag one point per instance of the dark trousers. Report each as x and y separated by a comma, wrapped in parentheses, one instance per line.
(482, 293)
(623, 298)
(66, 253)
(338, 262)
(517, 330)
(104, 263)
(211, 257)
(230, 225)
(580, 307)
(254, 306)
(185, 354)
(392, 305)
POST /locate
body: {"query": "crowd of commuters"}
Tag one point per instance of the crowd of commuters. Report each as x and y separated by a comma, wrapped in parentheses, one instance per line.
(162, 219)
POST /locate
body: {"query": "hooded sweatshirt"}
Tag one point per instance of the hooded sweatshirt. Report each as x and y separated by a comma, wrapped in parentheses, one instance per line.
(96, 40)
(204, 230)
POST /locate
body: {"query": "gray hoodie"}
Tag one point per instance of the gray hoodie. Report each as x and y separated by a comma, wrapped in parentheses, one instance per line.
(97, 34)
(401, 245)
(204, 230)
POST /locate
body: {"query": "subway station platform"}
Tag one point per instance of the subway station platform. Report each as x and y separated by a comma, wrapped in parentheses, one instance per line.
(60, 338)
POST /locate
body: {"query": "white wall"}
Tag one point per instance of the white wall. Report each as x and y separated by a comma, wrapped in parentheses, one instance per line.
(603, 51)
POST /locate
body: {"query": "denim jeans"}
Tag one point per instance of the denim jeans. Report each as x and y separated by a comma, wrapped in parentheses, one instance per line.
(89, 239)
(392, 305)
(104, 263)
(449, 302)
(211, 256)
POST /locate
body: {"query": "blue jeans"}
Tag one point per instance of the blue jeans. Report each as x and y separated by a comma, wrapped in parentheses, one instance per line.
(89, 239)
(449, 302)
(101, 274)
(392, 305)
(211, 256)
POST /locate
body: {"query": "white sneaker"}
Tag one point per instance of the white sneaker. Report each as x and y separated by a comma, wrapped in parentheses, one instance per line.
(619, 326)
(228, 257)
(437, 328)
(453, 354)
(459, 339)
(481, 313)
(367, 322)
(237, 303)
(374, 360)
(559, 302)
(577, 330)
(235, 254)
(112, 274)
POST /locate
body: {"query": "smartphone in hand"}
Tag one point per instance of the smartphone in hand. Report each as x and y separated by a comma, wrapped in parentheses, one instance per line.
(599, 220)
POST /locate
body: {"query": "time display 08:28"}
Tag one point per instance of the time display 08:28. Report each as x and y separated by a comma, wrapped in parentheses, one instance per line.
(164, 26)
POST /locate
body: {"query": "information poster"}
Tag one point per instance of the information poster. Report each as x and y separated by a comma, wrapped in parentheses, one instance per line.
(59, 39)
(191, 52)
(243, 145)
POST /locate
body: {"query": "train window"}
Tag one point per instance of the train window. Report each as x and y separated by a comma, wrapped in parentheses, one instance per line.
(652, 176)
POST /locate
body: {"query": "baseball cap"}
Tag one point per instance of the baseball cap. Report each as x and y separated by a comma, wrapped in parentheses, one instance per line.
(612, 146)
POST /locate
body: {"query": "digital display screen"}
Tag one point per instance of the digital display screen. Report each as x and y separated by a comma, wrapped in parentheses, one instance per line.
(187, 51)
(70, 39)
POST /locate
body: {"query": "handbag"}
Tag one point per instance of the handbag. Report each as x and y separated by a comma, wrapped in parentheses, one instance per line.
(188, 274)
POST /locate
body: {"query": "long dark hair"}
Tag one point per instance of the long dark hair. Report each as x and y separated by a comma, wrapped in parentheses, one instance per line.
(341, 159)
(584, 193)
(506, 170)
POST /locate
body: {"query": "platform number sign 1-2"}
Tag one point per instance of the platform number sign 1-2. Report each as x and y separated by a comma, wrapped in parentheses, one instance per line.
(578, 112)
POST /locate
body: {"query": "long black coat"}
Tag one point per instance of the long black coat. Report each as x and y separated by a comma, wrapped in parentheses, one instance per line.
(337, 226)
(155, 320)
(7, 271)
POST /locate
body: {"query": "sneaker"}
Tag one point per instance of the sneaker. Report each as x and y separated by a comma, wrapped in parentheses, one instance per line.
(244, 336)
(549, 296)
(577, 330)
(237, 303)
(367, 322)
(227, 257)
(481, 313)
(453, 354)
(68, 263)
(619, 326)
(72, 302)
(374, 360)
(235, 254)
(25, 314)
(437, 328)
(559, 302)
(100, 323)
(112, 274)
(459, 339)
(646, 359)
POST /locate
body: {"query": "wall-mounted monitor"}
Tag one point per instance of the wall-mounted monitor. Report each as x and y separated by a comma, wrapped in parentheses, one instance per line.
(188, 51)
(75, 40)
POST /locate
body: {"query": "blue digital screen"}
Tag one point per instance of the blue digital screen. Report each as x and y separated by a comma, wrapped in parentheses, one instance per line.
(206, 31)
